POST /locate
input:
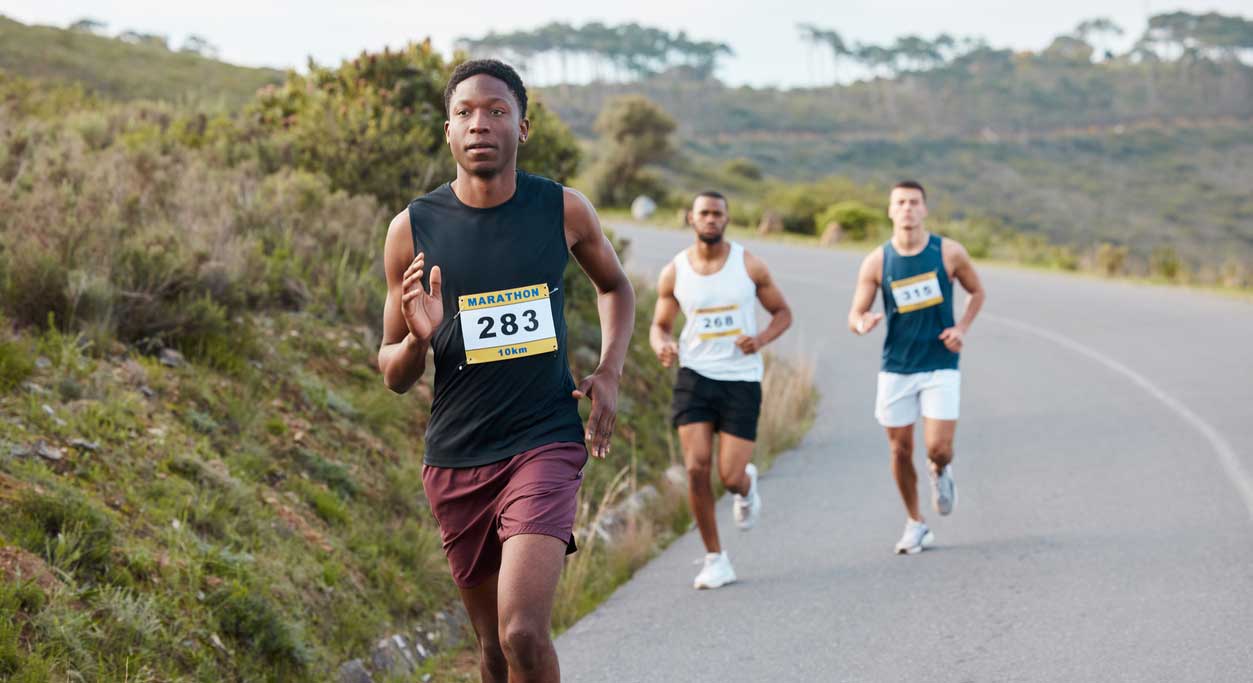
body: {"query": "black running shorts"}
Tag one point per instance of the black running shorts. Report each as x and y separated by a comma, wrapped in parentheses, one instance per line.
(732, 407)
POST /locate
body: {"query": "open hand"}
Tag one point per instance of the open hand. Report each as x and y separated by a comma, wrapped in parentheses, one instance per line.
(423, 312)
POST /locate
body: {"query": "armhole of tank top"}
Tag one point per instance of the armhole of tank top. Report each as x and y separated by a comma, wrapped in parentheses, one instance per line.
(413, 229)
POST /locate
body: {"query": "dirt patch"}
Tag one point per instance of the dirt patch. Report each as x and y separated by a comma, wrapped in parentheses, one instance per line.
(18, 565)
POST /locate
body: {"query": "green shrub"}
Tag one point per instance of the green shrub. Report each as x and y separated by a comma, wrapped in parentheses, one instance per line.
(858, 221)
(70, 533)
(15, 365)
(257, 625)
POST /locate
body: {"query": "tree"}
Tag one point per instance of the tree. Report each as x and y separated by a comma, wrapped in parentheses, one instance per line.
(1100, 33)
(829, 39)
(199, 45)
(88, 25)
(634, 133)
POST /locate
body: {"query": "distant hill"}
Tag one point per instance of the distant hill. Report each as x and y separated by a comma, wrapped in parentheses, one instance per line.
(115, 69)
(1145, 153)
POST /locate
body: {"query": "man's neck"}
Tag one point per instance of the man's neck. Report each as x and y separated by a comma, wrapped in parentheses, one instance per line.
(711, 253)
(910, 241)
(484, 193)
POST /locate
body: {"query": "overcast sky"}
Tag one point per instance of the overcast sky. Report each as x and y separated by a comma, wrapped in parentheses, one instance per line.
(763, 34)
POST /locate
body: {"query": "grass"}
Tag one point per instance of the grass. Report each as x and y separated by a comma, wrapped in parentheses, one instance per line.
(592, 574)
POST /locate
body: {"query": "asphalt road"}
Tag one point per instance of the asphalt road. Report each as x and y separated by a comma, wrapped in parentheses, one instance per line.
(1103, 531)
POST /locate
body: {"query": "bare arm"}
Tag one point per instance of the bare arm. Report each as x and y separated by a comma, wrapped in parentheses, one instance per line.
(615, 299)
(771, 298)
(402, 354)
(963, 270)
(661, 332)
(860, 319)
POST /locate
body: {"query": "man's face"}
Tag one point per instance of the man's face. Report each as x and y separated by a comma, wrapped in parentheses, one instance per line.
(709, 219)
(484, 127)
(907, 208)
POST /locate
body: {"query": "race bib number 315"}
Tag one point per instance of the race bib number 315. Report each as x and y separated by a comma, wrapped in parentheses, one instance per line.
(919, 291)
(508, 324)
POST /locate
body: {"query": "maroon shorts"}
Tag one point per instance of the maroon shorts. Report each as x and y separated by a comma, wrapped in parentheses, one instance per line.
(477, 508)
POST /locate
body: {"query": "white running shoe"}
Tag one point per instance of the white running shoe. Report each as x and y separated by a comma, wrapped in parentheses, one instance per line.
(916, 537)
(943, 490)
(747, 508)
(716, 573)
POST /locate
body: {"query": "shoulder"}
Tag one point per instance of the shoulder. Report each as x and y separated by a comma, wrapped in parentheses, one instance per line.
(579, 216)
(399, 244)
(952, 250)
(665, 281)
(757, 269)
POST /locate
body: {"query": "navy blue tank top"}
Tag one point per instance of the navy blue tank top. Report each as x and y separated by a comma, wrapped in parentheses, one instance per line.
(502, 381)
(918, 303)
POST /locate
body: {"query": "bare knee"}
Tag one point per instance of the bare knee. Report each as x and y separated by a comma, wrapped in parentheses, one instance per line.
(698, 471)
(734, 481)
(524, 643)
(940, 453)
(902, 452)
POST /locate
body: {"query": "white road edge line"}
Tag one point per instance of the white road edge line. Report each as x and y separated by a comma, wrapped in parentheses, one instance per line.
(1235, 470)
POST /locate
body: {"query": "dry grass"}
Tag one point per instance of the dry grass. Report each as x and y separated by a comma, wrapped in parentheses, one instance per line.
(640, 532)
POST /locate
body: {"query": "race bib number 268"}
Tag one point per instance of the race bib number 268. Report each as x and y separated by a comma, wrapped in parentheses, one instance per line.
(507, 324)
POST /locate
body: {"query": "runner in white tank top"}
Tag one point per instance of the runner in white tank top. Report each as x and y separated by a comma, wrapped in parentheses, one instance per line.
(717, 285)
(719, 308)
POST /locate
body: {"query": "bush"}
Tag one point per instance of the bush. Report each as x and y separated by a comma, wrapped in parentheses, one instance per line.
(858, 221)
(15, 365)
(1111, 260)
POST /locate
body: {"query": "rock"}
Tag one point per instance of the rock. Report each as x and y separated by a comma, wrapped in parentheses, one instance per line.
(147, 391)
(171, 358)
(771, 222)
(637, 502)
(48, 410)
(391, 656)
(43, 363)
(48, 452)
(676, 476)
(34, 388)
(832, 234)
(587, 357)
(643, 208)
(353, 672)
(84, 445)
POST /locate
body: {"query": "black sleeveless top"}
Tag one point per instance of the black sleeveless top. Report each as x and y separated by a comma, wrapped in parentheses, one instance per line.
(502, 381)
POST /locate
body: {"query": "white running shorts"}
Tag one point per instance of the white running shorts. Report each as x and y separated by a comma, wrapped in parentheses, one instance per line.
(935, 394)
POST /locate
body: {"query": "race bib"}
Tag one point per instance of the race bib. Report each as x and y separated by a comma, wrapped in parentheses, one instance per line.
(917, 292)
(508, 324)
(718, 322)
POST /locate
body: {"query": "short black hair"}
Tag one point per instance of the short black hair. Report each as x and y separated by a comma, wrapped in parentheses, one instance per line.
(492, 67)
(911, 185)
(713, 194)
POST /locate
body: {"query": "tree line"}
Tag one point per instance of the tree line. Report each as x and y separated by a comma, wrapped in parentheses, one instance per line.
(600, 51)
(1170, 36)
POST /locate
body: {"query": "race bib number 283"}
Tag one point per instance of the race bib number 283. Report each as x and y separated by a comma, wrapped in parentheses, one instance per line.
(507, 324)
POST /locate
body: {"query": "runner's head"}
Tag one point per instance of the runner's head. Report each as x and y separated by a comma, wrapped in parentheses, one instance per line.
(907, 205)
(709, 216)
(486, 105)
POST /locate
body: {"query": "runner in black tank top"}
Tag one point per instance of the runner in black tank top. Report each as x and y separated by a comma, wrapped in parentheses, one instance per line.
(918, 376)
(504, 447)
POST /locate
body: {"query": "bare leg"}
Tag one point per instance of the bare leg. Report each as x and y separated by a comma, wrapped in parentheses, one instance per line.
(530, 565)
(938, 435)
(901, 440)
(480, 603)
(733, 456)
(696, 439)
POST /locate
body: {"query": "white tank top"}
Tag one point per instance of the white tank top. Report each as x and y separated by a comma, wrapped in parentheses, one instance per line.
(719, 308)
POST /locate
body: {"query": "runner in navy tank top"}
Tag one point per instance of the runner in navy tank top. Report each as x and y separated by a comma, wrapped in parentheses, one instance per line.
(474, 270)
(918, 376)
